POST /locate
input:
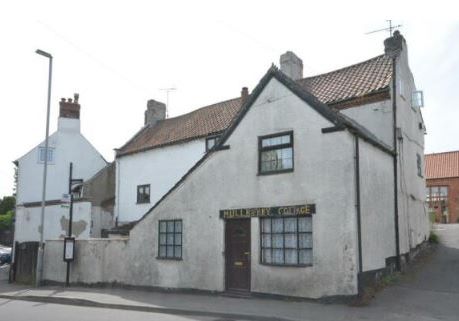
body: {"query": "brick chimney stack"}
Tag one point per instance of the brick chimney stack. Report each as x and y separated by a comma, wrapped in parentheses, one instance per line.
(69, 108)
(291, 65)
(244, 94)
(155, 112)
(393, 46)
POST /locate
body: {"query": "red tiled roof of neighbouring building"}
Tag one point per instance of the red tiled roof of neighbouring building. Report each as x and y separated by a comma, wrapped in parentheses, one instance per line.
(442, 165)
(349, 84)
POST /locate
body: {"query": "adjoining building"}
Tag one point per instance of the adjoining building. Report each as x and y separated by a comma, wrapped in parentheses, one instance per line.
(442, 186)
(312, 187)
(66, 145)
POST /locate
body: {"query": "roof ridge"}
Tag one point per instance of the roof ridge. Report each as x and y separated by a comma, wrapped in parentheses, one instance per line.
(204, 107)
(343, 68)
(447, 152)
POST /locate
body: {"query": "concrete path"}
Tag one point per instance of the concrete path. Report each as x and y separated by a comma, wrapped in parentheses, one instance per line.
(429, 291)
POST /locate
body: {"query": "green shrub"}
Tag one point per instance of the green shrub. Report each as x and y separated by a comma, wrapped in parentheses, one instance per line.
(433, 238)
(6, 220)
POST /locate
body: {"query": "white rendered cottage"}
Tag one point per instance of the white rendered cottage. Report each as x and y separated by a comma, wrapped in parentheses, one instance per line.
(314, 187)
(66, 145)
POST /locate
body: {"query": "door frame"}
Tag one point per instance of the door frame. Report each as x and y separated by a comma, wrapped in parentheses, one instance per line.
(249, 259)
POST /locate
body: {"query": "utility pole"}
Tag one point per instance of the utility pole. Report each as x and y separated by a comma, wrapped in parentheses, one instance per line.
(41, 248)
(69, 234)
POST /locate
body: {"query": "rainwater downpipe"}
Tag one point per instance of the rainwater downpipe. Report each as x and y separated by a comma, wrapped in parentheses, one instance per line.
(394, 112)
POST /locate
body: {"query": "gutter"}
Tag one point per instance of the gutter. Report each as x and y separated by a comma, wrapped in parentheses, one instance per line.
(396, 216)
(359, 214)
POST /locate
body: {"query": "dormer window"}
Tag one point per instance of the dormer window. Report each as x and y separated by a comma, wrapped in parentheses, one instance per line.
(42, 155)
(211, 141)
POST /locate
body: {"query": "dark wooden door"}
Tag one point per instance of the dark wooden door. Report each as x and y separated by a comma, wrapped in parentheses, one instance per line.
(237, 235)
(25, 261)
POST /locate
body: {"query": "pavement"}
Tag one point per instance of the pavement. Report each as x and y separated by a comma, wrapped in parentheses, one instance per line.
(429, 290)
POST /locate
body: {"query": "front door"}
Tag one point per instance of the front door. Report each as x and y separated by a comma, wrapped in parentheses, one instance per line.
(237, 235)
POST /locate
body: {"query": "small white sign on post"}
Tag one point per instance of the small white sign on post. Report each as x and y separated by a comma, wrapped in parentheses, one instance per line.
(65, 200)
(69, 249)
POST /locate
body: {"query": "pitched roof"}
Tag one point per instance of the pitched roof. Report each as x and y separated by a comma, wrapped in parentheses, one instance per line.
(338, 119)
(343, 85)
(442, 165)
(199, 123)
(362, 79)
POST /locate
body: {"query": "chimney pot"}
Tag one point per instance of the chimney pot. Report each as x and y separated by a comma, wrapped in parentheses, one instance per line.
(76, 96)
(69, 108)
(155, 112)
(291, 65)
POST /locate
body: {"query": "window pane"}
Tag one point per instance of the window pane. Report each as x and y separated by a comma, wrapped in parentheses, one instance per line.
(178, 239)
(287, 163)
(278, 256)
(170, 239)
(162, 251)
(162, 239)
(266, 225)
(162, 226)
(178, 252)
(285, 139)
(305, 224)
(266, 256)
(443, 191)
(291, 257)
(170, 251)
(305, 240)
(305, 256)
(178, 226)
(291, 241)
(266, 240)
(290, 224)
(170, 226)
(278, 225)
(278, 240)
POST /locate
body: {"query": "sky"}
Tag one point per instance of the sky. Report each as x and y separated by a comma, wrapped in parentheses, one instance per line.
(119, 54)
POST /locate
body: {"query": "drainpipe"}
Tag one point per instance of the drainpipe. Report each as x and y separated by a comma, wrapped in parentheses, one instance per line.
(359, 216)
(394, 111)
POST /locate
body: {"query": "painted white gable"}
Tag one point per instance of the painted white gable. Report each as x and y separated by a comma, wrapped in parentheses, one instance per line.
(160, 168)
(68, 145)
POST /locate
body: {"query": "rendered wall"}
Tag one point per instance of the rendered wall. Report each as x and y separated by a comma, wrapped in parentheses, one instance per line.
(376, 206)
(161, 168)
(56, 222)
(69, 146)
(414, 219)
(376, 117)
(323, 175)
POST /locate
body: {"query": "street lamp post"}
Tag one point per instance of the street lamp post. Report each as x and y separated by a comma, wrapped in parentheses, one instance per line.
(39, 270)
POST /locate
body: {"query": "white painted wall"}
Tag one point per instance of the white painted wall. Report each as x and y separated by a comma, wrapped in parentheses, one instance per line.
(376, 117)
(413, 216)
(161, 168)
(376, 206)
(324, 175)
(56, 222)
(69, 146)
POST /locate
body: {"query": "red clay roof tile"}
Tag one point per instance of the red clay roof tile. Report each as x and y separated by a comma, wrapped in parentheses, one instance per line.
(442, 165)
(345, 84)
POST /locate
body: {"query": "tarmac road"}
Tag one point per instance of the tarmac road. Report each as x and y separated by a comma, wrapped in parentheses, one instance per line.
(429, 291)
